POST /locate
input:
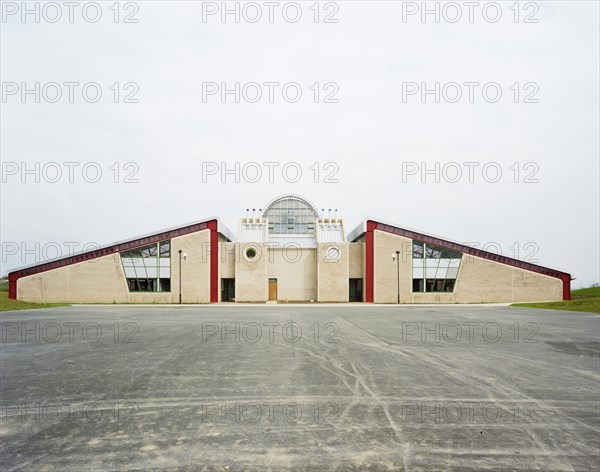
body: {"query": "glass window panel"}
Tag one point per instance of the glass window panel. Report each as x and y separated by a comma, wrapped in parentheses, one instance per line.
(132, 253)
(291, 216)
(432, 263)
(449, 285)
(149, 251)
(433, 251)
(165, 285)
(148, 269)
(417, 250)
(164, 263)
(417, 285)
(165, 249)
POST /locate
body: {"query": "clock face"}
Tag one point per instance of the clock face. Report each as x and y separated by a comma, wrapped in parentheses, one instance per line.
(333, 253)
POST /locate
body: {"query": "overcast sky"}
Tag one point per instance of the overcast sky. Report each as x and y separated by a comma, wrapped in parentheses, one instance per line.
(371, 134)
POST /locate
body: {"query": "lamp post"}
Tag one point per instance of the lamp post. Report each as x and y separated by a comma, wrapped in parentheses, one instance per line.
(396, 257)
(180, 251)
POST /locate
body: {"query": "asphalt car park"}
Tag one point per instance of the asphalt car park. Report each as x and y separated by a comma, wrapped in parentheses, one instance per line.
(300, 387)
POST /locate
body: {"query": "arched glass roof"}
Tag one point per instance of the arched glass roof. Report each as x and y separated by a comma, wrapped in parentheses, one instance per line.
(291, 214)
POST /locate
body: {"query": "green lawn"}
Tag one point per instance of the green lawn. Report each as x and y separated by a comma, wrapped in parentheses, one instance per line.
(584, 299)
(9, 305)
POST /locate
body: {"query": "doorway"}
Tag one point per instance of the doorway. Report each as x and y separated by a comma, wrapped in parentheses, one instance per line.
(272, 290)
(228, 290)
(356, 290)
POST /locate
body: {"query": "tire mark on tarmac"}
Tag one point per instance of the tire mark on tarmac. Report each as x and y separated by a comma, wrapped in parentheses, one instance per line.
(432, 360)
(404, 445)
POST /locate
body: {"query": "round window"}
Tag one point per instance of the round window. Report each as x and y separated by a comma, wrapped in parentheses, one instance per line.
(333, 253)
(251, 253)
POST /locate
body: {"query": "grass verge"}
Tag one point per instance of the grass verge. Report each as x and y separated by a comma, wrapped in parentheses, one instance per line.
(584, 300)
(9, 305)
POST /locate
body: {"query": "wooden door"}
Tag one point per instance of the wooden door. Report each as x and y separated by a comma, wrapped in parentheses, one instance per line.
(272, 289)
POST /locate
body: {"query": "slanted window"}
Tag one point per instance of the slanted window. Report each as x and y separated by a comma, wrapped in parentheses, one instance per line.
(165, 249)
(417, 250)
(435, 269)
(148, 268)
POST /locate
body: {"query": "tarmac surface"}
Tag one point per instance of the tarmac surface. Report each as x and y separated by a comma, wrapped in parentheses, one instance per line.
(293, 387)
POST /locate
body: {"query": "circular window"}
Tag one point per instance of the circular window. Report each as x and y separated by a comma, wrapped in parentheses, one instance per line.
(333, 253)
(251, 253)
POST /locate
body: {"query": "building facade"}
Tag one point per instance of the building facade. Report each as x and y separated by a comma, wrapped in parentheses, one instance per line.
(290, 252)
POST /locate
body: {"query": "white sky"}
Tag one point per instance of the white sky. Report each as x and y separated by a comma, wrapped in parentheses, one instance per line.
(369, 53)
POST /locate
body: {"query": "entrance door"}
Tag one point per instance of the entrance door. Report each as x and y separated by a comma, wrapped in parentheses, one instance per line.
(227, 290)
(356, 290)
(272, 290)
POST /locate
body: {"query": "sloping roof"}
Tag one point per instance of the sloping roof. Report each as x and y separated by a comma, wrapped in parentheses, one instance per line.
(138, 241)
(446, 243)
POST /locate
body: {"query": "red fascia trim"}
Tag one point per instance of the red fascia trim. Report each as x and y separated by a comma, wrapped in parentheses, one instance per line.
(370, 262)
(155, 238)
(12, 286)
(214, 261)
(566, 278)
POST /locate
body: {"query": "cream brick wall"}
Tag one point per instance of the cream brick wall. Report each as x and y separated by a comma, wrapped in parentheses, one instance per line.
(296, 273)
(102, 280)
(333, 275)
(386, 272)
(227, 257)
(96, 281)
(251, 276)
(479, 280)
(357, 260)
(195, 270)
